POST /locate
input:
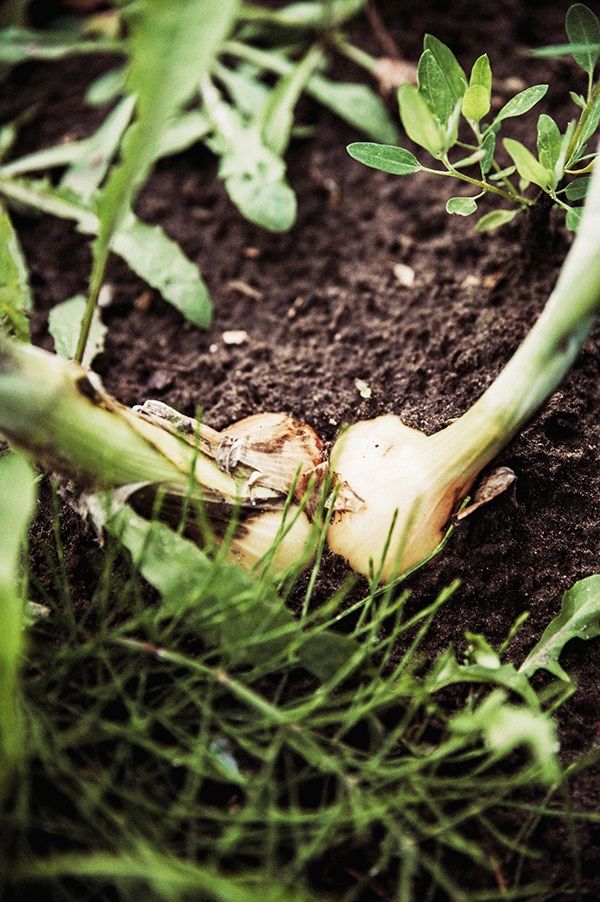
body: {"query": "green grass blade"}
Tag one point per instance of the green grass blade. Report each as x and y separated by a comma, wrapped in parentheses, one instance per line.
(17, 499)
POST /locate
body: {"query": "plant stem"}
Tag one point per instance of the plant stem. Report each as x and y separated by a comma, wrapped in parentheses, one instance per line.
(478, 183)
(546, 354)
(574, 143)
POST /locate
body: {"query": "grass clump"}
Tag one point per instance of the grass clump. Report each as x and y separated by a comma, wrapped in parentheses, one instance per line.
(198, 742)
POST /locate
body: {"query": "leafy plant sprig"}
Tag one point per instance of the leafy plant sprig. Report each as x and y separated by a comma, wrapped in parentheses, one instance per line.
(445, 104)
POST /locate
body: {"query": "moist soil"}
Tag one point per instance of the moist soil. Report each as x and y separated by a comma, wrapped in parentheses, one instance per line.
(322, 307)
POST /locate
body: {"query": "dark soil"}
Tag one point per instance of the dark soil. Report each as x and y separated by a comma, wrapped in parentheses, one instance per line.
(322, 307)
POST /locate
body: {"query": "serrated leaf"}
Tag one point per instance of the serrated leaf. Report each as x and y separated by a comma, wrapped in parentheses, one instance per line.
(528, 166)
(357, 105)
(395, 160)
(434, 87)
(583, 31)
(522, 102)
(64, 323)
(448, 672)
(578, 188)
(461, 206)
(579, 618)
(476, 103)
(419, 122)
(489, 222)
(15, 294)
(449, 65)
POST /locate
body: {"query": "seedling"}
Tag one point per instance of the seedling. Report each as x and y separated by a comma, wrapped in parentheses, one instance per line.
(450, 116)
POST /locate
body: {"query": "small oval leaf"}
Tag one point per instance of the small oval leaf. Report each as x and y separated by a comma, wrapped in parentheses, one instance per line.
(385, 157)
(461, 206)
(522, 102)
(583, 31)
(491, 221)
(476, 103)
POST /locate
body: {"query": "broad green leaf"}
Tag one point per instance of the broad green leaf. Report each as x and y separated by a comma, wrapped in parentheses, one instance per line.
(254, 175)
(15, 294)
(162, 264)
(396, 160)
(355, 104)
(522, 102)
(248, 94)
(255, 622)
(154, 256)
(449, 65)
(491, 221)
(64, 323)
(578, 188)
(476, 103)
(481, 74)
(268, 203)
(579, 618)
(583, 30)
(528, 167)
(549, 142)
(17, 502)
(419, 122)
(461, 206)
(434, 87)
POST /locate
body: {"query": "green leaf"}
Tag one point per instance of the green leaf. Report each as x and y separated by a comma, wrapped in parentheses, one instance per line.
(573, 218)
(579, 618)
(489, 222)
(476, 103)
(434, 87)
(578, 188)
(583, 30)
(461, 206)
(481, 74)
(419, 122)
(148, 251)
(254, 625)
(522, 102)
(64, 323)
(549, 143)
(591, 123)
(269, 203)
(449, 65)
(15, 294)
(277, 118)
(447, 672)
(87, 171)
(357, 105)
(17, 502)
(488, 145)
(528, 167)
(396, 160)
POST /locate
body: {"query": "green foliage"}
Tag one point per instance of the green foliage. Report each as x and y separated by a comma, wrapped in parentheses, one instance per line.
(579, 619)
(64, 325)
(15, 295)
(431, 114)
(179, 730)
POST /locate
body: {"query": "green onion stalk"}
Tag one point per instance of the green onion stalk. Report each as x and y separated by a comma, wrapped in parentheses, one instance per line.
(395, 489)
(412, 484)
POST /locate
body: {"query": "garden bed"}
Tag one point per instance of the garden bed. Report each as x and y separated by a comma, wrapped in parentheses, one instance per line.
(321, 307)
